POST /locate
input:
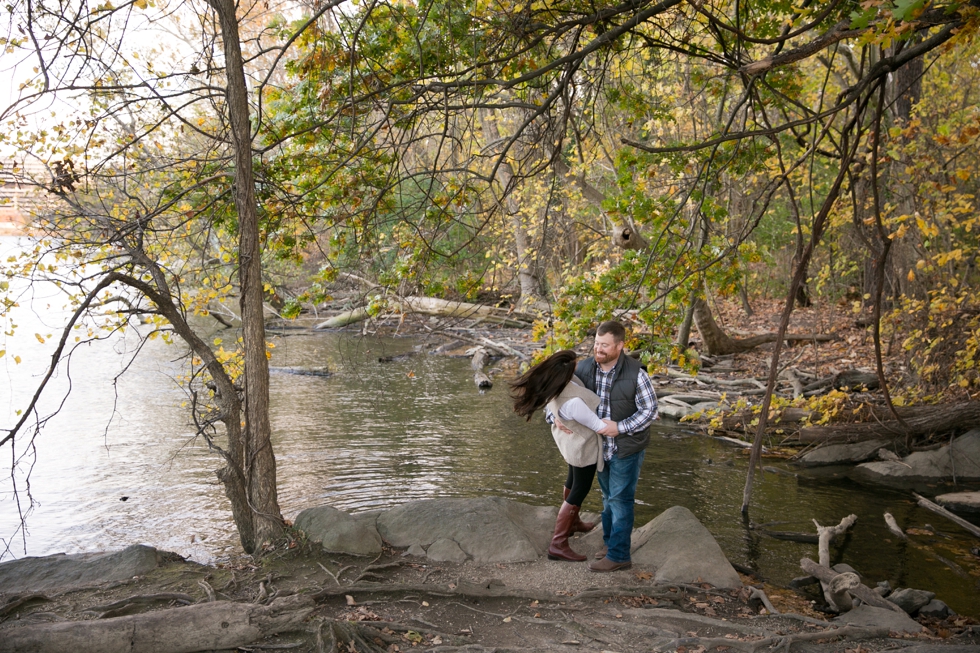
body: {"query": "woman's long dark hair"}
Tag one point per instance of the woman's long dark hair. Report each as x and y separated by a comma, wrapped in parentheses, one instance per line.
(542, 383)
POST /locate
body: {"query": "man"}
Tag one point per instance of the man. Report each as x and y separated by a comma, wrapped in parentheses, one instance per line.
(626, 397)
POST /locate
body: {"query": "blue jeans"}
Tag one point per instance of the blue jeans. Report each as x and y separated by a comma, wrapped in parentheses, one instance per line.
(618, 483)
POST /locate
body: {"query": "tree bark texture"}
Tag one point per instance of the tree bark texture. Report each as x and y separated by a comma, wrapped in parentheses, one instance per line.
(219, 625)
(259, 463)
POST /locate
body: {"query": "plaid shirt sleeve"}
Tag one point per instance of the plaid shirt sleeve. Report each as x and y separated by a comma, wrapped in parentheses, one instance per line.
(646, 406)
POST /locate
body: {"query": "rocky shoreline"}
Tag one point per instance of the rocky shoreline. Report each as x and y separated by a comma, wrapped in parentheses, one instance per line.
(448, 575)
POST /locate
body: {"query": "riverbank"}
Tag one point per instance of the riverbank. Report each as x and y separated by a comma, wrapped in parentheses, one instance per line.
(302, 597)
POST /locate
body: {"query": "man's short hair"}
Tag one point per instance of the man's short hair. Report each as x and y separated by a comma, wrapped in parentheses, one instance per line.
(614, 328)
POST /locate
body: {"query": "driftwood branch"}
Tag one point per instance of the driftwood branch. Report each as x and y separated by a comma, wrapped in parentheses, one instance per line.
(480, 359)
(827, 534)
(835, 593)
(860, 591)
(939, 510)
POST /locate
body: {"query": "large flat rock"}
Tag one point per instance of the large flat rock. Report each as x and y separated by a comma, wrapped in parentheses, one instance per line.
(961, 458)
(872, 617)
(682, 550)
(960, 501)
(339, 532)
(842, 454)
(63, 572)
(490, 529)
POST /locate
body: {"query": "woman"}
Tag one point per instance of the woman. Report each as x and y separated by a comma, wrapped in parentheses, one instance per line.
(552, 383)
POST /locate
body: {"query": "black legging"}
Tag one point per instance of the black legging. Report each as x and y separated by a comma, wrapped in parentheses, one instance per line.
(579, 482)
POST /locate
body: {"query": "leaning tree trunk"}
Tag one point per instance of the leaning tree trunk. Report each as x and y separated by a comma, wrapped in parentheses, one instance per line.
(259, 463)
(716, 341)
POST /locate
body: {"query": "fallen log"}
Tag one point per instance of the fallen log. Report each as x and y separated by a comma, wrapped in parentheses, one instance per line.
(343, 319)
(480, 359)
(201, 627)
(704, 378)
(860, 591)
(802, 538)
(918, 421)
(446, 308)
(939, 510)
(433, 306)
(848, 380)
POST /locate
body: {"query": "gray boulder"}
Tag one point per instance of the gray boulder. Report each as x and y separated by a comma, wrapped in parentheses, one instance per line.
(682, 550)
(960, 501)
(935, 608)
(911, 600)
(842, 454)
(490, 529)
(62, 572)
(872, 617)
(961, 457)
(339, 532)
(674, 409)
(444, 550)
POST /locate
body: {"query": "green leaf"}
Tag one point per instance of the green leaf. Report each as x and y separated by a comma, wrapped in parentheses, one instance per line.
(861, 19)
(905, 8)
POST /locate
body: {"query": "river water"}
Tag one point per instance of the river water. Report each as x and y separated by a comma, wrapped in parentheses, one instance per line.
(118, 463)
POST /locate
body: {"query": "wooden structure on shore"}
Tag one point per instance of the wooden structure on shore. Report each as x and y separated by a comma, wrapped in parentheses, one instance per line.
(18, 192)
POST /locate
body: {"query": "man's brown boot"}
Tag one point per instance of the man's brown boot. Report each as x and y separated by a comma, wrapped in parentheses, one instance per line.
(579, 526)
(608, 565)
(601, 553)
(559, 549)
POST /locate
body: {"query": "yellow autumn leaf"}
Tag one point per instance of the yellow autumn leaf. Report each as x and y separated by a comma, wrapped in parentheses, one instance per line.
(3, 352)
(17, 359)
(39, 337)
(911, 275)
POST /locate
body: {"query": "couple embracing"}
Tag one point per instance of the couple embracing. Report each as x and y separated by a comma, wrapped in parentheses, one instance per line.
(600, 412)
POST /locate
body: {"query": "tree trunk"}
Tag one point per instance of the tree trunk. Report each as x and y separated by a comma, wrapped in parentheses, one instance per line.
(684, 333)
(259, 463)
(716, 341)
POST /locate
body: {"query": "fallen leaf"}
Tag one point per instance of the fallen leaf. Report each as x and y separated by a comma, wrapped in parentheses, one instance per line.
(350, 600)
(507, 620)
(643, 575)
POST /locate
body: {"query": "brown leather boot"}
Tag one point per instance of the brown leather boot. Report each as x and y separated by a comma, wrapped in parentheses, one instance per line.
(579, 526)
(559, 549)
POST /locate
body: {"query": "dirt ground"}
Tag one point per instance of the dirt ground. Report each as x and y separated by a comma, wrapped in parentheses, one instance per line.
(400, 603)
